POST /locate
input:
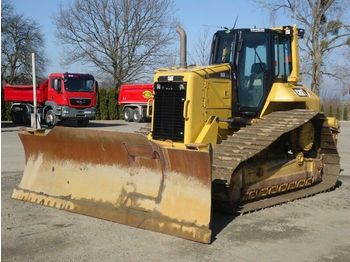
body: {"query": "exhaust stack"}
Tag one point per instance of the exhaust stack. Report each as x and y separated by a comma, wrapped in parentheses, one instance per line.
(183, 46)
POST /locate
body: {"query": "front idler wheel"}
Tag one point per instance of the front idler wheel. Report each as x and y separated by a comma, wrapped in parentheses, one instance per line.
(303, 139)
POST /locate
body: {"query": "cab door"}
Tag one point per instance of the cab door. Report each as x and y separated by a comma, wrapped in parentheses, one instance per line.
(56, 91)
(254, 72)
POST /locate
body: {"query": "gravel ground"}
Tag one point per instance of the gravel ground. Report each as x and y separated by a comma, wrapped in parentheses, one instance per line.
(312, 229)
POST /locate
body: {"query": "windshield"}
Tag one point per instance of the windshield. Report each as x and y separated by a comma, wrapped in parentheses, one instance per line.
(79, 85)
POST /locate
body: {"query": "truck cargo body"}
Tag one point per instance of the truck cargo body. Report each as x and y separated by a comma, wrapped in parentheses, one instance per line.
(134, 99)
(24, 93)
(63, 96)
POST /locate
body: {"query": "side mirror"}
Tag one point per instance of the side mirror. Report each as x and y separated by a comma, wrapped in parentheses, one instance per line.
(301, 33)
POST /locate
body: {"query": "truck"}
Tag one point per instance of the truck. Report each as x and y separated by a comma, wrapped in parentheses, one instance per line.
(135, 99)
(61, 97)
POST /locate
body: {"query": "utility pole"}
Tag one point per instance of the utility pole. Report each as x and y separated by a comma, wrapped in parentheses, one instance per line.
(35, 120)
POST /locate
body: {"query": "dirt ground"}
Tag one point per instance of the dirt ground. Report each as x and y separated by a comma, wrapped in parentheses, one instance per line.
(311, 229)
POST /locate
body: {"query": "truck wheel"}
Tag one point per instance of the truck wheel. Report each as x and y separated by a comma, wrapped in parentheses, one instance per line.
(50, 118)
(137, 116)
(18, 115)
(128, 114)
(83, 123)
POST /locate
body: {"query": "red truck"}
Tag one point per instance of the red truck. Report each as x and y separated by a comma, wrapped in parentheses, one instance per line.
(63, 96)
(134, 98)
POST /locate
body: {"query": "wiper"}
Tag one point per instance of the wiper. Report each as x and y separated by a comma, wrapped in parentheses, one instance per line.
(260, 61)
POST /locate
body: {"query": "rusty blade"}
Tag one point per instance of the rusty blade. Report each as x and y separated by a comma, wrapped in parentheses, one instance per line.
(121, 177)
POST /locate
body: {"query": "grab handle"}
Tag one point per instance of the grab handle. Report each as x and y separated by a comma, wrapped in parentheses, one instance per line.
(148, 113)
(185, 113)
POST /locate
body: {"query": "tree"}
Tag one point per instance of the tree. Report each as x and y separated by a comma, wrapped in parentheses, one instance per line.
(325, 31)
(202, 48)
(20, 37)
(124, 39)
(322, 108)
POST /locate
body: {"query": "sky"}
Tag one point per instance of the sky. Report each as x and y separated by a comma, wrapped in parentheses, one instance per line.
(193, 15)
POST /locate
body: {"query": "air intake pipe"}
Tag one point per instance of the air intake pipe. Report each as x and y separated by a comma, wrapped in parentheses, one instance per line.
(183, 46)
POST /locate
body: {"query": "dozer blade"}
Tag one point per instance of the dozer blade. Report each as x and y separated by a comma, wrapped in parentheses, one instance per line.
(121, 177)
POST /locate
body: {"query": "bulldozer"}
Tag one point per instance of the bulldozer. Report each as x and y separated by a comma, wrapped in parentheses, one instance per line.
(238, 135)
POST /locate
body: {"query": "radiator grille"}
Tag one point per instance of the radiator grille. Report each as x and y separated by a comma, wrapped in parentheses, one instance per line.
(168, 122)
(80, 101)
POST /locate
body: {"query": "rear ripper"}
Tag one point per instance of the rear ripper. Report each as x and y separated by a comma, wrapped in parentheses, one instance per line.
(63, 96)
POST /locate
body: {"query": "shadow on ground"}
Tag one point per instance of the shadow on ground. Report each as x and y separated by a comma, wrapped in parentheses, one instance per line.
(9, 125)
(219, 222)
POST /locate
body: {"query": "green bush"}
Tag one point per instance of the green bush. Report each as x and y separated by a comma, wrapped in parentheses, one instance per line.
(112, 103)
(330, 111)
(107, 108)
(98, 115)
(103, 104)
(120, 112)
(5, 111)
(345, 113)
(337, 114)
(5, 108)
(322, 109)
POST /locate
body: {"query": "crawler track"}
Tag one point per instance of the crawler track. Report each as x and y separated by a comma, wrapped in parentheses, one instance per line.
(251, 140)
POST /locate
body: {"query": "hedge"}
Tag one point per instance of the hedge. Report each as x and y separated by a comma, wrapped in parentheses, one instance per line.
(112, 104)
(5, 107)
(330, 111)
(337, 114)
(345, 113)
(107, 108)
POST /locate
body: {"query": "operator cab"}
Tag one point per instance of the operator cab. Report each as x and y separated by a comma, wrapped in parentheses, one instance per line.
(258, 58)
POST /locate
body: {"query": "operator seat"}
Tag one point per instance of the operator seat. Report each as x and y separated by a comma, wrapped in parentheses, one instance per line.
(257, 72)
(256, 84)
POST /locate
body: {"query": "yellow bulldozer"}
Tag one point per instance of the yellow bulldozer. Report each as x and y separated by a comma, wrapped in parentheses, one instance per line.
(238, 135)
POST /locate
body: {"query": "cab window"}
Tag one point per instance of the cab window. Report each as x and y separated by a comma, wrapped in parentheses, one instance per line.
(283, 57)
(56, 84)
(223, 45)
